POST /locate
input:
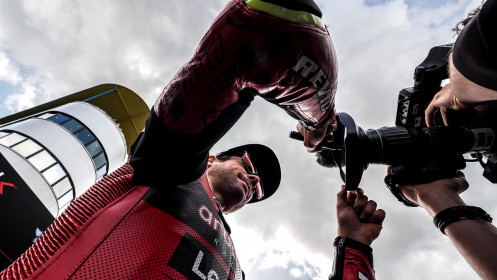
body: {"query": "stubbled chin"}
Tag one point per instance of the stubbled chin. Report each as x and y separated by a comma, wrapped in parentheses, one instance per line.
(237, 196)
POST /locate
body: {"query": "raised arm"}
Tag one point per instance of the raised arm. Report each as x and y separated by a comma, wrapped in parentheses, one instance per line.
(245, 53)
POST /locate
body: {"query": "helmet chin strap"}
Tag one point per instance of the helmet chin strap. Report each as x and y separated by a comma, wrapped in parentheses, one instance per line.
(216, 200)
(221, 215)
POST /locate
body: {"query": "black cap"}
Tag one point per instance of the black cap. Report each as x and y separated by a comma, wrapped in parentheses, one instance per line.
(266, 163)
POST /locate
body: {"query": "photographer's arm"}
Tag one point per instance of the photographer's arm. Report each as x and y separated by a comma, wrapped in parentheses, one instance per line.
(475, 239)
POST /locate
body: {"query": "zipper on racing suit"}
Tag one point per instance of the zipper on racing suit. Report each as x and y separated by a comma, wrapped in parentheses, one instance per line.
(339, 260)
(353, 260)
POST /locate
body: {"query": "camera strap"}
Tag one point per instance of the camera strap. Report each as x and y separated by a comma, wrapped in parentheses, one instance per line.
(393, 186)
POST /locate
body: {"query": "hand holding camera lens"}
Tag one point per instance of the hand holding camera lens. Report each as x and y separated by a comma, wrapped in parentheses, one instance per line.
(358, 217)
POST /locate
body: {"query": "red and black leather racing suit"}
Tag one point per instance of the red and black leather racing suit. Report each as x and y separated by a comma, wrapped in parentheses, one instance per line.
(155, 216)
(353, 260)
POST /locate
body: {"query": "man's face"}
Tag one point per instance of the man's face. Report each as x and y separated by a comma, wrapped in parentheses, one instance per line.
(230, 182)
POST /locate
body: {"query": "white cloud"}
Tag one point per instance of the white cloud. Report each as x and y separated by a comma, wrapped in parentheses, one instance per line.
(9, 72)
(22, 100)
(282, 251)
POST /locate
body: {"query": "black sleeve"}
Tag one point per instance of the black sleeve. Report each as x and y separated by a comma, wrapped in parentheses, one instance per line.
(475, 50)
(161, 156)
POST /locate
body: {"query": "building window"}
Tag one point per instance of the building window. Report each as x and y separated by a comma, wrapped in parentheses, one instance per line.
(27, 148)
(54, 174)
(85, 136)
(42, 160)
(62, 187)
(11, 139)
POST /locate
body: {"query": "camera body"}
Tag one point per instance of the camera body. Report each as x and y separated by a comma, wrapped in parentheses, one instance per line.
(428, 77)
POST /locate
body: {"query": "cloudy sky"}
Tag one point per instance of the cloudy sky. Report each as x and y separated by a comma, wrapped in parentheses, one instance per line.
(49, 49)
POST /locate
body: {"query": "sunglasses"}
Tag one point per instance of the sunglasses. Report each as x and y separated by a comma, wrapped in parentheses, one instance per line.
(250, 169)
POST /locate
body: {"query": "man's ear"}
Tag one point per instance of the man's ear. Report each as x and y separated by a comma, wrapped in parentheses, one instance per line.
(211, 160)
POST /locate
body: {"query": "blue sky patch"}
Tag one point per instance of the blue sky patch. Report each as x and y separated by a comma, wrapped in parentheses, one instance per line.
(6, 89)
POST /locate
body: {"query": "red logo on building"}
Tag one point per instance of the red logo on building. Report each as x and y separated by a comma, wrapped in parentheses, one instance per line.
(5, 184)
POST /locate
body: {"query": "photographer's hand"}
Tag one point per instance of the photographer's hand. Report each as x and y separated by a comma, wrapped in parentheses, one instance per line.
(438, 195)
(358, 218)
(459, 94)
(444, 100)
(313, 138)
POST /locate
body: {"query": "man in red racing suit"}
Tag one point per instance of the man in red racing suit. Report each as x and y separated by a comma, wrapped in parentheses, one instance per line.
(155, 217)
